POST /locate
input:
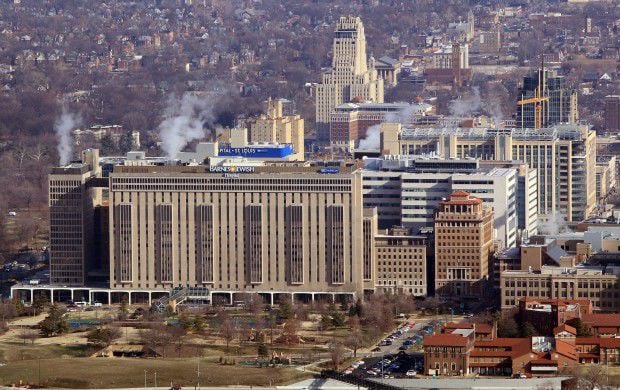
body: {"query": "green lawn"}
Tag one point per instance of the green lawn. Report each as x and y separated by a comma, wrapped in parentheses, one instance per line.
(127, 372)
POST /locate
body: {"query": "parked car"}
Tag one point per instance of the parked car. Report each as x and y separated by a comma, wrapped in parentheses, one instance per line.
(411, 373)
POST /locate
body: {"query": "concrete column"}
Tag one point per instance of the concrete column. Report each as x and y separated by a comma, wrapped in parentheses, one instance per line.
(333, 298)
(129, 297)
(31, 296)
(72, 294)
(292, 298)
(90, 298)
(271, 298)
(109, 297)
(312, 297)
(150, 299)
(231, 298)
(52, 296)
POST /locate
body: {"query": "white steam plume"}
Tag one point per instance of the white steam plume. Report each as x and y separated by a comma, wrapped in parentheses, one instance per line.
(372, 141)
(65, 123)
(467, 105)
(553, 224)
(184, 121)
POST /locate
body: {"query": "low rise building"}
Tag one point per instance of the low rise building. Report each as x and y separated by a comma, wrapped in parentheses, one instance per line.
(599, 284)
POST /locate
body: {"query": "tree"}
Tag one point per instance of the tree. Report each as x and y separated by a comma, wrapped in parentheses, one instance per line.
(27, 334)
(262, 350)
(355, 339)
(103, 337)
(55, 323)
(582, 329)
(507, 327)
(199, 324)
(336, 354)
(338, 319)
(286, 311)
(270, 323)
(356, 310)
(124, 310)
(528, 330)
(291, 327)
(107, 145)
(38, 304)
(227, 330)
(155, 337)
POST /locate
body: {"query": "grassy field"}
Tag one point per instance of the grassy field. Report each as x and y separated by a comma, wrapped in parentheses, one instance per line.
(121, 372)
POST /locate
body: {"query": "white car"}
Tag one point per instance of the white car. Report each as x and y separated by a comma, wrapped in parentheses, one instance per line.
(411, 373)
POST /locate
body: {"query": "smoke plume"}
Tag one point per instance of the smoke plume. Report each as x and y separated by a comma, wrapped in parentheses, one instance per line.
(67, 122)
(466, 105)
(373, 133)
(553, 224)
(185, 119)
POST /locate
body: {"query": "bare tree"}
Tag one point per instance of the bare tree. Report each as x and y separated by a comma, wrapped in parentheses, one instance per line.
(355, 339)
(28, 334)
(336, 354)
(227, 330)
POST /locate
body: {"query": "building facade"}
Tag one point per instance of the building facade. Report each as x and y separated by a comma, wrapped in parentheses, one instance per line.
(291, 228)
(560, 106)
(597, 283)
(349, 77)
(564, 157)
(463, 246)
(406, 190)
(349, 122)
(612, 114)
(71, 207)
(273, 126)
(401, 262)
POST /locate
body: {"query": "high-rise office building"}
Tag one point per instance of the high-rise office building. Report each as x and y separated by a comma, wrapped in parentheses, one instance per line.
(271, 228)
(463, 246)
(274, 126)
(545, 100)
(563, 155)
(407, 190)
(612, 114)
(349, 77)
(71, 205)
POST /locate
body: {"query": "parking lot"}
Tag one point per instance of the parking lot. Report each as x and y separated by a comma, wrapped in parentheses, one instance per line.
(399, 354)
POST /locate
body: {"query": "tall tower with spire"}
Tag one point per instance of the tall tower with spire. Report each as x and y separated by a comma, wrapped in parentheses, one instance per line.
(349, 77)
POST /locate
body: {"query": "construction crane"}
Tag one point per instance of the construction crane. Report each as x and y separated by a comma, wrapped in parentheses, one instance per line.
(538, 100)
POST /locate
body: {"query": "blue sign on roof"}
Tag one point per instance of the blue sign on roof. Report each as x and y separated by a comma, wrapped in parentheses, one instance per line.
(252, 151)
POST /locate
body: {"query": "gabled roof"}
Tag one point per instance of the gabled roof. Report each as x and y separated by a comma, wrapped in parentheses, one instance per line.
(602, 319)
(565, 328)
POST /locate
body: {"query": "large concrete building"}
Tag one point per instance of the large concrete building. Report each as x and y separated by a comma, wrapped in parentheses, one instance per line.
(273, 126)
(72, 200)
(564, 157)
(349, 78)
(463, 246)
(281, 228)
(406, 190)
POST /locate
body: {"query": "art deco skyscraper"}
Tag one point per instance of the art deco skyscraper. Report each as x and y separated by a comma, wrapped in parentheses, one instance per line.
(349, 77)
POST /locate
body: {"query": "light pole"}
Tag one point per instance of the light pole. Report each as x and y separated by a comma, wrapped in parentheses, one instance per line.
(198, 379)
(144, 379)
(155, 379)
